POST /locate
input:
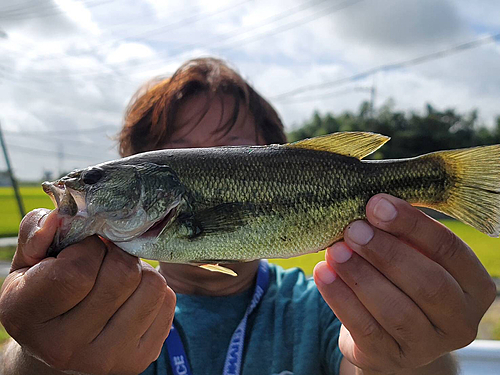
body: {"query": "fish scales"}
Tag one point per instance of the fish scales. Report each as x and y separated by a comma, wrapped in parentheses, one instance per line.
(289, 192)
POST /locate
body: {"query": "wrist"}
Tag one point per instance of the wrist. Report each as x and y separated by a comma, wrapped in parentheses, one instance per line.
(15, 360)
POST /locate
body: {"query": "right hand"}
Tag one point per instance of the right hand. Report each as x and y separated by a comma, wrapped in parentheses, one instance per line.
(94, 309)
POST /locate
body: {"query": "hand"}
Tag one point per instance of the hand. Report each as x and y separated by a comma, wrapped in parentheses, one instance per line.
(93, 309)
(406, 289)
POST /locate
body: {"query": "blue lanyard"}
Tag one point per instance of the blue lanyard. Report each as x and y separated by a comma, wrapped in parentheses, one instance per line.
(232, 365)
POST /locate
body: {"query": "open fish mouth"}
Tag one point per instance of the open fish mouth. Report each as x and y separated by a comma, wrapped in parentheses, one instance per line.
(76, 223)
(69, 202)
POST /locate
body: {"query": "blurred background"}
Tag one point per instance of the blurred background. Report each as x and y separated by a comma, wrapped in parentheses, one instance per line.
(425, 72)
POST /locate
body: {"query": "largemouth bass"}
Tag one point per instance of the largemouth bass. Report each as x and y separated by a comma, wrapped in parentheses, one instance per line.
(227, 204)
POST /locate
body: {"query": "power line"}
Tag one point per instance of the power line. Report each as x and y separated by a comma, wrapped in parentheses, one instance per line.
(241, 42)
(387, 67)
(325, 95)
(34, 4)
(38, 152)
(169, 27)
(42, 12)
(56, 138)
(217, 40)
(292, 25)
(71, 131)
(184, 22)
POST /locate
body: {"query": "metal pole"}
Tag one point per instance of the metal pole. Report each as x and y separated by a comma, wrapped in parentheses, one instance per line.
(11, 174)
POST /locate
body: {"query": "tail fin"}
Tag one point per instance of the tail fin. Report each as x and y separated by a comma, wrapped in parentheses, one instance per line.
(475, 192)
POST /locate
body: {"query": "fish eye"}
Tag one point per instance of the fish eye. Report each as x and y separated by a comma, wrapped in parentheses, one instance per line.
(93, 175)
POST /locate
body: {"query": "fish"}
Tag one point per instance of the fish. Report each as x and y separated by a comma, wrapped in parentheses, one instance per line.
(211, 206)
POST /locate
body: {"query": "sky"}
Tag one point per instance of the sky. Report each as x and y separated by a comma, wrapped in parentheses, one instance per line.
(68, 68)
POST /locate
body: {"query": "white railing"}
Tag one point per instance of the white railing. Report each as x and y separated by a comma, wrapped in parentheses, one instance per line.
(482, 357)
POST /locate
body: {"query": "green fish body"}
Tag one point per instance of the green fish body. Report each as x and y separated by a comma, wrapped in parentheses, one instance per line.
(230, 204)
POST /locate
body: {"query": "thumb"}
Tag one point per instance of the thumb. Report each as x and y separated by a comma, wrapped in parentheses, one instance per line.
(36, 233)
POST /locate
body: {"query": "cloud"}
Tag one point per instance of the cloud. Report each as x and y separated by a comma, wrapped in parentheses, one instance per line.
(401, 25)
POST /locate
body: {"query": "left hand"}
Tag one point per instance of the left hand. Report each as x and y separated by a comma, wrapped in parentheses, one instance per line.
(406, 289)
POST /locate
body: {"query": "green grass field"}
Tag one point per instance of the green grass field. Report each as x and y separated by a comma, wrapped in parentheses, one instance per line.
(33, 197)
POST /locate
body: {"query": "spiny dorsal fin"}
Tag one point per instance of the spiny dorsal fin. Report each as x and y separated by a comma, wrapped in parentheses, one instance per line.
(355, 144)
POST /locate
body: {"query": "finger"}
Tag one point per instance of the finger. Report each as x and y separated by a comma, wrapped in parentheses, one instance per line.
(157, 333)
(369, 340)
(399, 218)
(36, 232)
(118, 278)
(55, 285)
(392, 309)
(138, 312)
(427, 283)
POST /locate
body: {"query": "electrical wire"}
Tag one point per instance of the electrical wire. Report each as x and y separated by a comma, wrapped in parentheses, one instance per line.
(45, 12)
(56, 138)
(141, 36)
(38, 152)
(72, 131)
(393, 66)
(324, 96)
(241, 42)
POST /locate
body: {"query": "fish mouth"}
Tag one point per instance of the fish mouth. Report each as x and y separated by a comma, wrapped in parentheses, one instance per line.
(68, 202)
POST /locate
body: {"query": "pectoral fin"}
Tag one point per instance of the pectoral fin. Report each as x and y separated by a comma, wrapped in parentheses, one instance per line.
(218, 268)
(224, 218)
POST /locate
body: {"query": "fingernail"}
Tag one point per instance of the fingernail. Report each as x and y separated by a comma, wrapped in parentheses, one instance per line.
(325, 273)
(359, 232)
(339, 252)
(42, 220)
(384, 210)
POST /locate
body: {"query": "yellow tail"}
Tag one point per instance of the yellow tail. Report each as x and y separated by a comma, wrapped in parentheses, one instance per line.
(474, 195)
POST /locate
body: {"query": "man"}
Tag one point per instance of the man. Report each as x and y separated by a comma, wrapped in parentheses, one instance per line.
(406, 289)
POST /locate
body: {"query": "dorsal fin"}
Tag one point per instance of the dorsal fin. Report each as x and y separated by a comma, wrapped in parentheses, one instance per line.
(355, 144)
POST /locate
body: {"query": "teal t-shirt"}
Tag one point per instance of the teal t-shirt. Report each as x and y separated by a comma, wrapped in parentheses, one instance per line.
(292, 330)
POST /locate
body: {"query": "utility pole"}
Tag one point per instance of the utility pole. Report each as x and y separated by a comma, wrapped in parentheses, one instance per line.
(11, 174)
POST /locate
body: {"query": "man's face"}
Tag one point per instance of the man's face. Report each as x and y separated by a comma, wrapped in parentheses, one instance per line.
(194, 128)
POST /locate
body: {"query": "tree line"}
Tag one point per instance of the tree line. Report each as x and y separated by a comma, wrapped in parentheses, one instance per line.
(411, 134)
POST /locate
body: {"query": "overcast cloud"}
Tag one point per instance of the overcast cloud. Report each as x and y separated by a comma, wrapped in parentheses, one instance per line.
(69, 67)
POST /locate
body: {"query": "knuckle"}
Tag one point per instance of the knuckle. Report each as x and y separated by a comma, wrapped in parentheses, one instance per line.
(73, 278)
(403, 323)
(152, 280)
(448, 245)
(391, 253)
(170, 300)
(127, 272)
(468, 334)
(490, 292)
(435, 290)
(371, 331)
(28, 223)
(150, 351)
(412, 223)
